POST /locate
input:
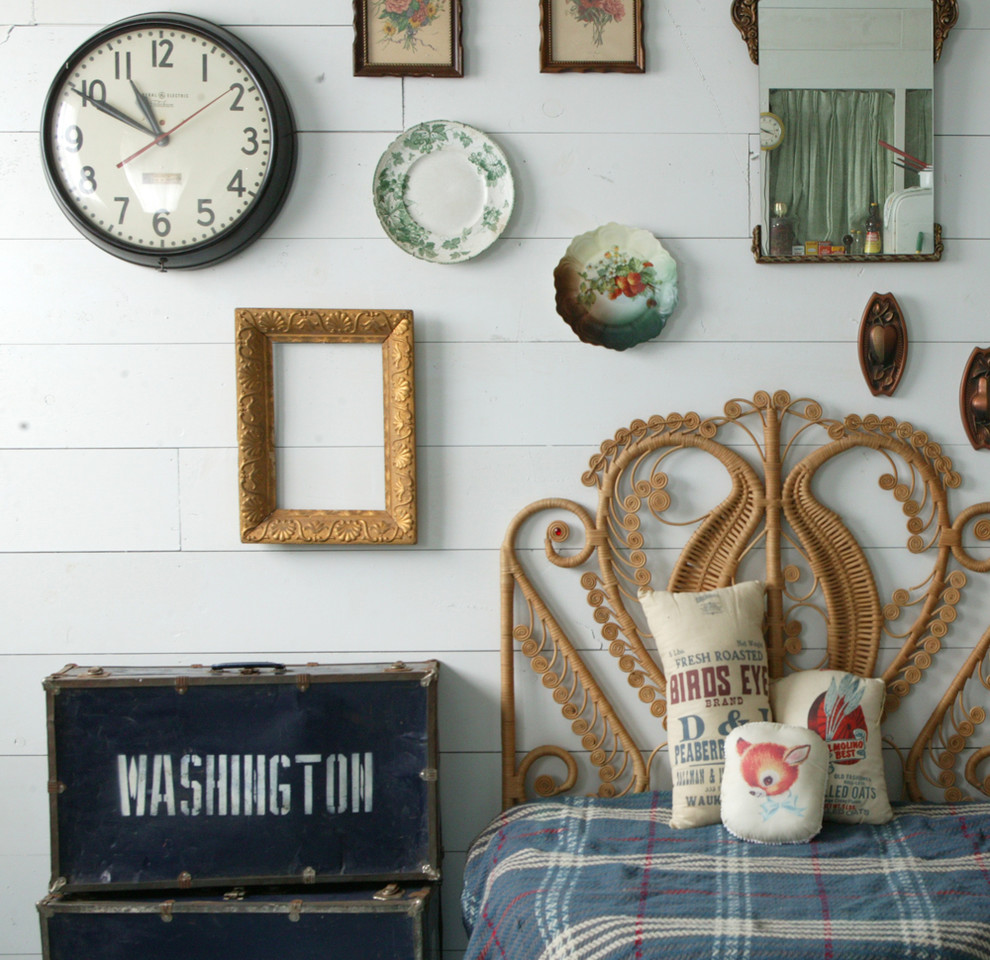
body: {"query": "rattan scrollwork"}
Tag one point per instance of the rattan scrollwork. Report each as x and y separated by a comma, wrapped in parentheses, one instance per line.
(769, 451)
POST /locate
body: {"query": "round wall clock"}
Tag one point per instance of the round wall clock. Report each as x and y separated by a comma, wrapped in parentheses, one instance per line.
(167, 141)
(771, 131)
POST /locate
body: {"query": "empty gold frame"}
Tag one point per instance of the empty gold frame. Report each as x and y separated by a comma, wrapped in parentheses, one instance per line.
(262, 521)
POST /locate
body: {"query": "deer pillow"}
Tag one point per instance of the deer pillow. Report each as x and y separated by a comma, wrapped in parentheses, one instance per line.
(773, 786)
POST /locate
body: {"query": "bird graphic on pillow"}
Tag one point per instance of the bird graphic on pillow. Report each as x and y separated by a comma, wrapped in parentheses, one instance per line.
(771, 770)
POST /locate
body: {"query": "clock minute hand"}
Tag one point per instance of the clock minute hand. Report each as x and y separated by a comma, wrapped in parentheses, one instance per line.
(168, 133)
(114, 112)
(149, 114)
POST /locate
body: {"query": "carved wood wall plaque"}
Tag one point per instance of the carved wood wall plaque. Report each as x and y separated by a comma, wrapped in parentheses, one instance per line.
(262, 521)
(883, 344)
(974, 403)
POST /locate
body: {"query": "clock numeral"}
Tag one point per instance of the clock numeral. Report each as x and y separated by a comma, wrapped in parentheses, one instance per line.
(166, 53)
(161, 223)
(123, 201)
(206, 60)
(252, 137)
(87, 180)
(236, 184)
(206, 210)
(95, 90)
(239, 87)
(127, 65)
(73, 137)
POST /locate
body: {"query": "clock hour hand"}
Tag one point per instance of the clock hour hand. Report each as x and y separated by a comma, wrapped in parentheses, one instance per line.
(115, 113)
(149, 114)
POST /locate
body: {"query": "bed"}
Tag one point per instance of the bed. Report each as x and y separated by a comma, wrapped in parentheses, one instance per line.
(591, 857)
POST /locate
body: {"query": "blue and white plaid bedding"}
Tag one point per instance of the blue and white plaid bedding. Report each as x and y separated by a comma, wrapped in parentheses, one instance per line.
(591, 879)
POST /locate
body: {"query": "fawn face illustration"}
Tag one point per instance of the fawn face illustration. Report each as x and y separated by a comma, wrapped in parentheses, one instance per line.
(770, 768)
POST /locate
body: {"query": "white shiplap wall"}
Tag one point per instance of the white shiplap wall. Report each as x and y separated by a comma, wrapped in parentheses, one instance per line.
(118, 527)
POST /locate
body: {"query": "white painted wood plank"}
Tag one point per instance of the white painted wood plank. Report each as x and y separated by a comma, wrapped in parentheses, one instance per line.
(971, 16)
(23, 882)
(96, 396)
(504, 394)
(447, 521)
(698, 185)
(693, 187)
(28, 210)
(229, 12)
(699, 78)
(962, 204)
(466, 393)
(312, 601)
(24, 808)
(17, 12)
(64, 500)
(965, 64)
(93, 298)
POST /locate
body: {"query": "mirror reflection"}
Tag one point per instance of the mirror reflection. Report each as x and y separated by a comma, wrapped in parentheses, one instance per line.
(846, 127)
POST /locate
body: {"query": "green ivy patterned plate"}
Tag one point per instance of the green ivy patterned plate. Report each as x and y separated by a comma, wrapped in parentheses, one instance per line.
(443, 191)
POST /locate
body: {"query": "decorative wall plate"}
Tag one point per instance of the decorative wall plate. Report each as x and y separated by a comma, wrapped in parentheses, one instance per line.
(443, 191)
(616, 286)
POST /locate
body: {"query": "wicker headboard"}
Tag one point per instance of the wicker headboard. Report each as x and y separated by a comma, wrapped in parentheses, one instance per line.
(769, 465)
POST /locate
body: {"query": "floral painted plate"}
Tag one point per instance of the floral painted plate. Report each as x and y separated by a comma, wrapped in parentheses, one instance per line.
(616, 286)
(443, 191)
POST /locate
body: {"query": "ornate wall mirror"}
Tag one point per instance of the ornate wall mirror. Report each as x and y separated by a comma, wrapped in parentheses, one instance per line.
(263, 518)
(846, 127)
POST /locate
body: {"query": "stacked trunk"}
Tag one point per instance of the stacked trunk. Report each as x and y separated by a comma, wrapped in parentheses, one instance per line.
(247, 810)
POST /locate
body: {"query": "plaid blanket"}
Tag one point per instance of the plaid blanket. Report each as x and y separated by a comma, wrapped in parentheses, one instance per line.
(591, 879)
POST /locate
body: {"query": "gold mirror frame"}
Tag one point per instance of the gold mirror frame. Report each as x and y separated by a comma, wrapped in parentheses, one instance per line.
(945, 14)
(744, 16)
(260, 519)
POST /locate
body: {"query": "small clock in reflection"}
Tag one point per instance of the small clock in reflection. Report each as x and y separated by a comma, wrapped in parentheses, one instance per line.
(771, 131)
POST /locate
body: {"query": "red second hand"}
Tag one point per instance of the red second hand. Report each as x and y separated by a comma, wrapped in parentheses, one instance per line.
(168, 133)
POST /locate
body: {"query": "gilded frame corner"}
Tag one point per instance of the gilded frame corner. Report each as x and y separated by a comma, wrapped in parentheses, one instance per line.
(744, 14)
(261, 520)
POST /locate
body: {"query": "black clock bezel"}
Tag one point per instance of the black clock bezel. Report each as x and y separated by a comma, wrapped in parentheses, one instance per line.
(272, 194)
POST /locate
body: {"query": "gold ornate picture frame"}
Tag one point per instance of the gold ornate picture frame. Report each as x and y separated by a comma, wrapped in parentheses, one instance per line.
(261, 520)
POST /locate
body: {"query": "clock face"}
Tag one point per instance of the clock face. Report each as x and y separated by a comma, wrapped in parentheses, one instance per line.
(771, 131)
(167, 141)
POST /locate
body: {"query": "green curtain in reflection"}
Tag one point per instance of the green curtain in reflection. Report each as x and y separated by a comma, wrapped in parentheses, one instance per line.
(830, 166)
(918, 132)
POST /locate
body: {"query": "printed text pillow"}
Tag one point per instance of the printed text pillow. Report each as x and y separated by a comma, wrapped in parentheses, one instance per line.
(845, 710)
(715, 660)
(773, 787)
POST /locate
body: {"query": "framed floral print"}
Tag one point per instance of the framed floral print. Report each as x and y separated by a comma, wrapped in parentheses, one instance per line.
(407, 38)
(591, 35)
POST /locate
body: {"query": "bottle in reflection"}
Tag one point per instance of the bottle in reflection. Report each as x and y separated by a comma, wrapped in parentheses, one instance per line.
(873, 241)
(781, 231)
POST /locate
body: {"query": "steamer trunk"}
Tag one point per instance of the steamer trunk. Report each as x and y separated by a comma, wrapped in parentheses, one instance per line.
(242, 774)
(397, 923)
